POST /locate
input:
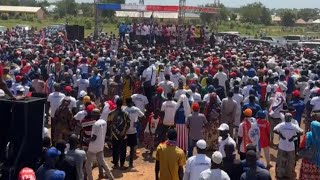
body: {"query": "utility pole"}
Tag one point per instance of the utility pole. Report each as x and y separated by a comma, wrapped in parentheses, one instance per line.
(96, 20)
(181, 18)
(141, 13)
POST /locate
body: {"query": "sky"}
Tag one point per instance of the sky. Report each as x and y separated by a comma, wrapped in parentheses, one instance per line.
(234, 3)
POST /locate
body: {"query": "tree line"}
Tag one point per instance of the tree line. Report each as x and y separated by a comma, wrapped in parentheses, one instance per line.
(255, 13)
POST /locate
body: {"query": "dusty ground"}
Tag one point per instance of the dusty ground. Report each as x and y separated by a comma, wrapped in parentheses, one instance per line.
(144, 166)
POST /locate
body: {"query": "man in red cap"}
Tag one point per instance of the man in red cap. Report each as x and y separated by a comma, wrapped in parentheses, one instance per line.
(298, 104)
(195, 123)
(73, 103)
(16, 85)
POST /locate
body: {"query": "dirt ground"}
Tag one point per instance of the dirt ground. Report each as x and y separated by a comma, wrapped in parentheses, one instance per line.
(144, 165)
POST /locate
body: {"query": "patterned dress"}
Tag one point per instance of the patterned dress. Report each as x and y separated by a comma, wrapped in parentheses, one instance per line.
(211, 132)
(310, 169)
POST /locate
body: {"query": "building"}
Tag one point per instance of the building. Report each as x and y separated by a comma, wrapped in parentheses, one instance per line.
(275, 19)
(300, 22)
(156, 15)
(37, 11)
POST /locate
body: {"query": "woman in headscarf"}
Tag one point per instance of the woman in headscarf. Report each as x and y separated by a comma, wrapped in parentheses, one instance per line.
(212, 113)
(183, 110)
(310, 168)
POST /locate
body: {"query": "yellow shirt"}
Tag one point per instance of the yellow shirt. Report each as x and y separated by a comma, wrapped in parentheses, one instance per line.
(170, 158)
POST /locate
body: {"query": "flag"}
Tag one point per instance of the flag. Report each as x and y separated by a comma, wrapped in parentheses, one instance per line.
(277, 102)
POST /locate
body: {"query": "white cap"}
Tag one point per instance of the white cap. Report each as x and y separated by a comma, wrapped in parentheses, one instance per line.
(217, 157)
(20, 88)
(2, 93)
(224, 127)
(67, 98)
(201, 144)
(83, 93)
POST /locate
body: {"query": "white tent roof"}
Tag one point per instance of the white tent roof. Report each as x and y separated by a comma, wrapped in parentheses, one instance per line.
(19, 9)
(316, 21)
(164, 15)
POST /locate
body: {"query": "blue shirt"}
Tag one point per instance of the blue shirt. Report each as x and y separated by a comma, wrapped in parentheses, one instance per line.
(253, 106)
(299, 107)
(122, 28)
(245, 168)
(180, 118)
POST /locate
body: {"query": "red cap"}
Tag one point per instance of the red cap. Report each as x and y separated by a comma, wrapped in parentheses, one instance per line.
(159, 89)
(68, 89)
(26, 174)
(195, 107)
(233, 74)
(18, 78)
(318, 91)
(296, 93)
(90, 108)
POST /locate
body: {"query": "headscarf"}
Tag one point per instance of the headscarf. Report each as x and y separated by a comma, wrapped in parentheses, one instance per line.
(186, 106)
(313, 139)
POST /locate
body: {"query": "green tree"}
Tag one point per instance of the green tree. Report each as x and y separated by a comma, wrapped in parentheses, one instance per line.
(87, 9)
(288, 18)
(67, 7)
(233, 17)
(223, 15)
(307, 14)
(9, 2)
(255, 13)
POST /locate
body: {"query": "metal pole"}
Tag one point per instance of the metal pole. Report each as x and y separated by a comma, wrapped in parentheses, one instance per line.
(96, 31)
(181, 17)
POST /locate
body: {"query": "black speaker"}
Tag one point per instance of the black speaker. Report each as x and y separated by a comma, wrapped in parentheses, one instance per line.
(20, 134)
(75, 32)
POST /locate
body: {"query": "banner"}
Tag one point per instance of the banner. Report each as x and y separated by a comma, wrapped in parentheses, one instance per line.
(156, 8)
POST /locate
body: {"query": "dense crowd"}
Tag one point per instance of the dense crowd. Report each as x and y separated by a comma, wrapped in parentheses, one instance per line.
(221, 98)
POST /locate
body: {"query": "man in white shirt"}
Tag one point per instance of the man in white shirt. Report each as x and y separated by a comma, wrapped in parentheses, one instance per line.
(197, 163)
(134, 113)
(54, 99)
(149, 75)
(168, 108)
(96, 145)
(82, 84)
(224, 138)
(222, 77)
(105, 84)
(140, 100)
(167, 85)
(239, 99)
(73, 103)
(215, 173)
(286, 157)
(315, 102)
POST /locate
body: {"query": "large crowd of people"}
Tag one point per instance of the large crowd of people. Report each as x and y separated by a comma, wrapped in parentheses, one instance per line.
(114, 93)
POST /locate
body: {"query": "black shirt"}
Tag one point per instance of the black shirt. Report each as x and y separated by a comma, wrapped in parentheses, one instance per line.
(258, 174)
(232, 167)
(67, 164)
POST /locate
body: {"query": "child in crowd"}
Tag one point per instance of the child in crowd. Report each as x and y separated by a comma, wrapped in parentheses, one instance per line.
(150, 131)
(264, 127)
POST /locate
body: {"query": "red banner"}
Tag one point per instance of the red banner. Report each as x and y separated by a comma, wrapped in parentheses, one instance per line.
(162, 8)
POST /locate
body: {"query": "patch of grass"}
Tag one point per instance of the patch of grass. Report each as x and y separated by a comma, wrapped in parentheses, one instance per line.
(107, 27)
